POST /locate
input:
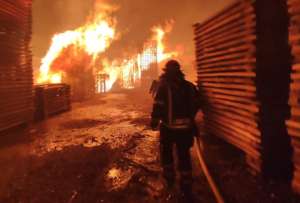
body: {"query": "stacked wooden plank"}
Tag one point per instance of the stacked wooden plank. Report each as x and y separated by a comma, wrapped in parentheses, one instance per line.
(243, 60)
(293, 124)
(51, 99)
(225, 49)
(16, 79)
(82, 82)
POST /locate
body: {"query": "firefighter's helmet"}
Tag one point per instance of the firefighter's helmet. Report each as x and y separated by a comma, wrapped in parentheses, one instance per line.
(172, 66)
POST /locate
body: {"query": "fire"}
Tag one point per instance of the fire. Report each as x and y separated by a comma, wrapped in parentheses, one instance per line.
(159, 38)
(76, 51)
(129, 71)
(112, 71)
(93, 38)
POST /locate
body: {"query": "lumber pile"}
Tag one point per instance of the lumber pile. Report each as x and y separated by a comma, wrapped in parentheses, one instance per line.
(16, 79)
(243, 61)
(82, 82)
(225, 49)
(293, 124)
(51, 99)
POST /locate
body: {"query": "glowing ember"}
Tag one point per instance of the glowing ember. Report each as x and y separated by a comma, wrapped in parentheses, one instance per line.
(114, 173)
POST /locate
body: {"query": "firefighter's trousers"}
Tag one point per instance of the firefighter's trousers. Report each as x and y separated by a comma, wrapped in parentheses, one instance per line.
(182, 140)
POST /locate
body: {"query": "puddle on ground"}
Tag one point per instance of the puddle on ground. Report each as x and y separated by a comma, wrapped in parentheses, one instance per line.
(118, 178)
(116, 136)
(146, 151)
(82, 123)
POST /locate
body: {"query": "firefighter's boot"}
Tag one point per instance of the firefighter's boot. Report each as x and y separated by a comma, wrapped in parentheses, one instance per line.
(186, 186)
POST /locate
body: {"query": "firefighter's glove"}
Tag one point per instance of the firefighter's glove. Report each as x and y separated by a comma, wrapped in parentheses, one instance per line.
(154, 124)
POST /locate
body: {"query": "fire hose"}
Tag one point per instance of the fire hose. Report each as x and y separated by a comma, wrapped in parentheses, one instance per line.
(211, 182)
(209, 178)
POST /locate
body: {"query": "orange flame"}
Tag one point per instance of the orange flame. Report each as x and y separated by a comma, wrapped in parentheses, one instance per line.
(93, 38)
(129, 71)
(159, 38)
(86, 43)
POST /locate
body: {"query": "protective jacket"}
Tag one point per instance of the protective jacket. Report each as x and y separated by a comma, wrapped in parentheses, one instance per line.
(176, 103)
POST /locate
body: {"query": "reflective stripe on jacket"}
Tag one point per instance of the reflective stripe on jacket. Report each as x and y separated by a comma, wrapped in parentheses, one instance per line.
(176, 104)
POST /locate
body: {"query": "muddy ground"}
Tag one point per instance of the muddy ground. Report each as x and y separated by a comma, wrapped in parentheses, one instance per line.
(103, 151)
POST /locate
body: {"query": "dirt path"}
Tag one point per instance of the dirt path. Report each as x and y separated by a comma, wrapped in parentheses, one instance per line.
(101, 151)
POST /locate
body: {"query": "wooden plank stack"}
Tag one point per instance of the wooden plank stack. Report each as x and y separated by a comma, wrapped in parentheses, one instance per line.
(16, 77)
(225, 48)
(82, 82)
(293, 124)
(243, 72)
(51, 99)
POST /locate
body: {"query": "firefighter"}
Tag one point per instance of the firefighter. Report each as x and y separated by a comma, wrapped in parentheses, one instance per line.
(175, 106)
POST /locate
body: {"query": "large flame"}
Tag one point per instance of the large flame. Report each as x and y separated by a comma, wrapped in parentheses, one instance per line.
(82, 47)
(93, 38)
(129, 71)
(159, 38)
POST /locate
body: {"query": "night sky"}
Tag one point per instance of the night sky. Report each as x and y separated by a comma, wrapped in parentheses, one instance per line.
(135, 19)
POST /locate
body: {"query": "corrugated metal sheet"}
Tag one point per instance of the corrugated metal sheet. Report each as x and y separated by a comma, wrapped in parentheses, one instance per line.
(16, 80)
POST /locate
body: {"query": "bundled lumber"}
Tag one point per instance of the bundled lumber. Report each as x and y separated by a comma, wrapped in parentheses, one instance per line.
(238, 65)
(82, 82)
(51, 99)
(16, 79)
(225, 49)
(293, 124)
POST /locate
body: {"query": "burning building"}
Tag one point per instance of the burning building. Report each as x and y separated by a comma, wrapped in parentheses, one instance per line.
(72, 55)
(77, 58)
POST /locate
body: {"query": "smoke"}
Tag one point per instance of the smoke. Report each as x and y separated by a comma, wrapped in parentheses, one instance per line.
(135, 18)
(55, 16)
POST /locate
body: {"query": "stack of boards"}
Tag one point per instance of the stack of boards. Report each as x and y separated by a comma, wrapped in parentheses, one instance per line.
(16, 78)
(51, 99)
(293, 124)
(226, 61)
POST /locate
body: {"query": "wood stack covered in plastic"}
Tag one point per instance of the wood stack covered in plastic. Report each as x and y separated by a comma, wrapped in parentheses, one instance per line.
(16, 77)
(293, 124)
(226, 74)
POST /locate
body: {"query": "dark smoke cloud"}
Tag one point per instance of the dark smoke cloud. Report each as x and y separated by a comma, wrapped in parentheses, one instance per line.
(135, 19)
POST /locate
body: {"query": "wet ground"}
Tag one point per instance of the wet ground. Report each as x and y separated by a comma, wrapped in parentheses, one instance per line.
(236, 182)
(101, 151)
(104, 151)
